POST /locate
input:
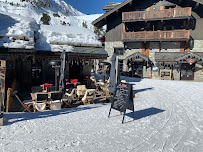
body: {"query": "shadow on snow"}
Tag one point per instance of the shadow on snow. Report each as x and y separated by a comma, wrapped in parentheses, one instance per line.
(145, 113)
(17, 117)
(141, 90)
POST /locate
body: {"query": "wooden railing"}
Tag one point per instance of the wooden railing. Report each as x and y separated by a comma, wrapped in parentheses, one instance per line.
(156, 35)
(157, 14)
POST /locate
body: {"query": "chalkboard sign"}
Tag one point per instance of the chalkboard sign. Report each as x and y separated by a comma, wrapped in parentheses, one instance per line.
(123, 98)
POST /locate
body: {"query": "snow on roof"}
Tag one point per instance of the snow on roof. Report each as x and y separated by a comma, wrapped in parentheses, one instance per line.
(20, 32)
(14, 27)
(50, 37)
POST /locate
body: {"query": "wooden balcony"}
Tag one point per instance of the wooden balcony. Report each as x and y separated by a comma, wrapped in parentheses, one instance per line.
(172, 35)
(157, 14)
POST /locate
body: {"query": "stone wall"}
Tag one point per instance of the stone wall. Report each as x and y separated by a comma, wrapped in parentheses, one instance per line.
(196, 46)
(109, 48)
(198, 76)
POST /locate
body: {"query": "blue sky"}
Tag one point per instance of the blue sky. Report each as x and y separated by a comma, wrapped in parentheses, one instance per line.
(90, 6)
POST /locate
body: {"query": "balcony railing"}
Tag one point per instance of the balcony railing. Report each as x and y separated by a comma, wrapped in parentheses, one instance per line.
(156, 35)
(157, 14)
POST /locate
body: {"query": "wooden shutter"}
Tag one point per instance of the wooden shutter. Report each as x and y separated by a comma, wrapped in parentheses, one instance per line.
(182, 46)
(187, 47)
(145, 48)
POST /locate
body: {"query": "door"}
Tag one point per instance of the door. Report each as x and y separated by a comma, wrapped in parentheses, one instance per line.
(138, 69)
(187, 71)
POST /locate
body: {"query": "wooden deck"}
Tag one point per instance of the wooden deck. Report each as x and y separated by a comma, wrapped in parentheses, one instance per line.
(157, 14)
(156, 35)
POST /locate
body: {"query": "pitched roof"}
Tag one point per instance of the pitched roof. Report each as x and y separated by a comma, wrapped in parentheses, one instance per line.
(101, 21)
(199, 1)
(111, 6)
(177, 56)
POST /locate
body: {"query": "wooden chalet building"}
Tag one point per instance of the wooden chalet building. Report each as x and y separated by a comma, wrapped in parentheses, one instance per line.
(152, 35)
(28, 65)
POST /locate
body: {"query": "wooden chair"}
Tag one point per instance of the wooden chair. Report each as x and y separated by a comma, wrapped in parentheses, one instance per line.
(25, 103)
(50, 89)
(67, 99)
(36, 89)
(96, 84)
(40, 102)
(80, 91)
(89, 96)
(105, 90)
(56, 100)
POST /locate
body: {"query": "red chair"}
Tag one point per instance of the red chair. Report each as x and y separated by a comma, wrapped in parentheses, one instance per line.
(46, 85)
(73, 80)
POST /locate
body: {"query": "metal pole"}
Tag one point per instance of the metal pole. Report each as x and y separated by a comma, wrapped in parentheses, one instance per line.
(56, 83)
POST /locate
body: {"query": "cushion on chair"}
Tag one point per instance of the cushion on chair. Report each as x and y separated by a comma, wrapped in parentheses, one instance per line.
(73, 80)
(40, 106)
(55, 105)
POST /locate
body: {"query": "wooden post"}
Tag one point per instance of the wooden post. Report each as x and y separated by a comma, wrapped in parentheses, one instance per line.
(9, 101)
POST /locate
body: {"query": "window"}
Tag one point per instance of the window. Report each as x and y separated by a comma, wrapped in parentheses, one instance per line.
(141, 9)
(120, 62)
(172, 6)
(119, 51)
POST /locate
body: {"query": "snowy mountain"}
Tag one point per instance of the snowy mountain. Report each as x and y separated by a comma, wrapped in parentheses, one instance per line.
(51, 12)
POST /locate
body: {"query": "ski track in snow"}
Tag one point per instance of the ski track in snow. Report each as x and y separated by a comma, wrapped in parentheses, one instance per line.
(177, 128)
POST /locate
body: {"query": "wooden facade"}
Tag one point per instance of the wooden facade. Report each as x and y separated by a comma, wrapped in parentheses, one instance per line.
(156, 14)
(172, 35)
(151, 26)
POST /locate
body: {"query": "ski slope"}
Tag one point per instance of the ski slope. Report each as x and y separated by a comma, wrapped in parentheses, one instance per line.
(169, 118)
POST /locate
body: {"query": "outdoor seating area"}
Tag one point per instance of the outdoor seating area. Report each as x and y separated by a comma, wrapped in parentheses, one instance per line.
(47, 97)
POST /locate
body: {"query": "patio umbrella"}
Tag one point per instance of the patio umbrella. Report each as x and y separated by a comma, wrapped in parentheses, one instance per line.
(114, 74)
(62, 73)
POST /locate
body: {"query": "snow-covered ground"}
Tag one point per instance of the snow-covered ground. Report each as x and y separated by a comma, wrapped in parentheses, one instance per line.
(169, 117)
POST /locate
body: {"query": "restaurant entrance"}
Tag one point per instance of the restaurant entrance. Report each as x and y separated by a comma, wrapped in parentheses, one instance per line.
(75, 70)
(137, 69)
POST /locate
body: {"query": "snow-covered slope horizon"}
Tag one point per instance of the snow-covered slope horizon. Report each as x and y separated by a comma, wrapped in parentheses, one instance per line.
(55, 12)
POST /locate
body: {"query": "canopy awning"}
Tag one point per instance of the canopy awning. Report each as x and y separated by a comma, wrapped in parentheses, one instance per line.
(198, 56)
(138, 57)
(178, 57)
(81, 52)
